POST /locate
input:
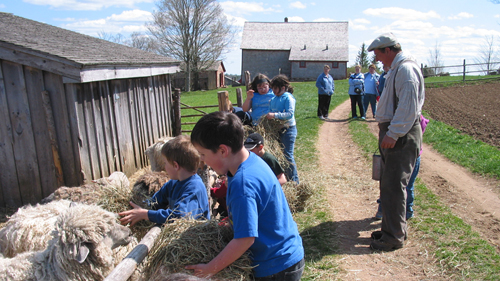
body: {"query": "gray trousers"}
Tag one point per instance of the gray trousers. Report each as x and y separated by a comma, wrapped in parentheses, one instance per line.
(397, 166)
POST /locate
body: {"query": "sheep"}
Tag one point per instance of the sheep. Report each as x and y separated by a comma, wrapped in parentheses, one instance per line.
(156, 159)
(81, 248)
(30, 227)
(92, 192)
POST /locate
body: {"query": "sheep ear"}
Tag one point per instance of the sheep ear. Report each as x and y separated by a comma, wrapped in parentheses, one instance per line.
(72, 204)
(83, 252)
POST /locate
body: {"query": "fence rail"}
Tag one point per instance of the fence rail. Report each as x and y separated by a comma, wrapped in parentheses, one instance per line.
(466, 72)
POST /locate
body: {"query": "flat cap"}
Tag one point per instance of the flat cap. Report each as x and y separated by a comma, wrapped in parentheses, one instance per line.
(383, 41)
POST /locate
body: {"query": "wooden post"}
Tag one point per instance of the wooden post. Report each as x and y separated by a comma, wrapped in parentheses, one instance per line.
(464, 72)
(128, 265)
(176, 104)
(223, 97)
(247, 79)
(239, 100)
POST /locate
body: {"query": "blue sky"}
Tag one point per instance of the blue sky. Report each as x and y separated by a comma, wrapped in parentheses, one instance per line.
(459, 27)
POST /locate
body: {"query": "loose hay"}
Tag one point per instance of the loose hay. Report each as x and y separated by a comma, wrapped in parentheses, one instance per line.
(297, 195)
(187, 241)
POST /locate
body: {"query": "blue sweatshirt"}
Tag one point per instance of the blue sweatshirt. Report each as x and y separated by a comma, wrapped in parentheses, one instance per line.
(177, 199)
(283, 107)
(371, 83)
(325, 85)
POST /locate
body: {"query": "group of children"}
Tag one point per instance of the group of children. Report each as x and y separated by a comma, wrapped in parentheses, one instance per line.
(257, 209)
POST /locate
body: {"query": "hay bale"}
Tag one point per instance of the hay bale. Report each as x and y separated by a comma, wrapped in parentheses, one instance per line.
(187, 241)
(297, 195)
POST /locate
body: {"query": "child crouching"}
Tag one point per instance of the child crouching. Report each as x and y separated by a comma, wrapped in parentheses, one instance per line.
(183, 195)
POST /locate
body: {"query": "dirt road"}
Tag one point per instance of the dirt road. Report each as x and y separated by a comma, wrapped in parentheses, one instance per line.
(353, 203)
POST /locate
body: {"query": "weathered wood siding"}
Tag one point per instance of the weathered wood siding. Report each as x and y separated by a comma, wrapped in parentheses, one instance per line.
(54, 134)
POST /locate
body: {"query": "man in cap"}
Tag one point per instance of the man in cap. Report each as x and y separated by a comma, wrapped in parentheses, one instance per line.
(255, 144)
(400, 137)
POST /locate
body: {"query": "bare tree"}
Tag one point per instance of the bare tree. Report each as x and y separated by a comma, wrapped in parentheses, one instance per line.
(193, 31)
(435, 59)
(118, 38)
(143, 42)
(487, 55)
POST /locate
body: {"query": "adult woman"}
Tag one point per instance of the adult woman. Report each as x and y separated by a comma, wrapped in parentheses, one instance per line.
(325, 86)
(258, 103)
(356, 90)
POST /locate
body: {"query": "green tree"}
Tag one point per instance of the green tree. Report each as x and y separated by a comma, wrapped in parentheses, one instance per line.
(362, 58)
(195, 32)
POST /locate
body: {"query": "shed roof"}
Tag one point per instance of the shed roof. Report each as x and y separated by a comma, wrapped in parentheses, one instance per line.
(74, 50)
(307, 41)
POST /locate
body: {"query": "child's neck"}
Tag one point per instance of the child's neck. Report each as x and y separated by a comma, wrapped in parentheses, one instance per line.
(236, 159)
(183, 174)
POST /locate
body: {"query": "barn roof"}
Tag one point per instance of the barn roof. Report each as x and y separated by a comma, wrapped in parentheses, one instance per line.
(27, 41)
(307, 41)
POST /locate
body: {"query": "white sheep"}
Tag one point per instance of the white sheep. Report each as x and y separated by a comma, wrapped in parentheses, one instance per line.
(30, 227)
(91, 192)
(81, 248)
(156, 159)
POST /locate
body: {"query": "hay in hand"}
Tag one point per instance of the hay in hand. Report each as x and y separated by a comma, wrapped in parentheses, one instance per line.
(188, 241)
(297, 195)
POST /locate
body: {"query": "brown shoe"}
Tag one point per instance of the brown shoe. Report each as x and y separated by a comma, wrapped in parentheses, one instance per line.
(381, 245)
(378, 234)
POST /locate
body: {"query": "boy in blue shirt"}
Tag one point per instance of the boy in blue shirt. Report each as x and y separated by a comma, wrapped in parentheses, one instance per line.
(184, 195)
(257, 207)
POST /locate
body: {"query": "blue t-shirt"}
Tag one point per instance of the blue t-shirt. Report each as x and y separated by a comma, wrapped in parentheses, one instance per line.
(258, 208)
(177, 199)
(260, 105)
(284, 107)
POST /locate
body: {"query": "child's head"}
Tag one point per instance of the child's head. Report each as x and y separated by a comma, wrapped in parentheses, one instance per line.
(254, 143)
(181, 150)
(218, 128)
(280, 84)
(260, 84)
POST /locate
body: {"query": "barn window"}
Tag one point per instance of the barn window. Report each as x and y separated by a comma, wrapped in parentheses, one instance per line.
(335, 64)
(302, 64)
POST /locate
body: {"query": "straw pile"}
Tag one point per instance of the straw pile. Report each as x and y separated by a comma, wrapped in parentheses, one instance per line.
(269, 130)
(297, 195)
(186, 242)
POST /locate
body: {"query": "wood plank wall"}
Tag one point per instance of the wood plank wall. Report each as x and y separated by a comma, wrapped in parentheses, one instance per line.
(54, 134)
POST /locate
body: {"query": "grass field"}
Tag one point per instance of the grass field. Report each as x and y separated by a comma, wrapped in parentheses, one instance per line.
(460, 251)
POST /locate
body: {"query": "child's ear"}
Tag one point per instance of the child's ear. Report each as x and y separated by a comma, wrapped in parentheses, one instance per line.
(176, 165)
(224, 149)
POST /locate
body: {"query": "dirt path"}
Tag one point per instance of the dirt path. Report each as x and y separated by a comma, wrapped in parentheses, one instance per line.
(353, 195)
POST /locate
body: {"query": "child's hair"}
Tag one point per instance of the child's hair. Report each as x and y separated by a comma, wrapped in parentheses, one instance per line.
(183, 152)
(259, 79)
(218, 128)
(280, 81)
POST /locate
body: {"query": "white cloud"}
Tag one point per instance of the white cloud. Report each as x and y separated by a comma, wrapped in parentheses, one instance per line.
(361, 21)
(2, 6)
(497, 16)
(132, 15)
(324, 20)
(297, 5)
(295, 19)
(462, 15)
(236, 21)
(401, 14)
(86, 5)
(245, 8)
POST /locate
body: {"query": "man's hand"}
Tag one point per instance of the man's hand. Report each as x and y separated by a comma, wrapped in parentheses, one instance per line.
(388, 142)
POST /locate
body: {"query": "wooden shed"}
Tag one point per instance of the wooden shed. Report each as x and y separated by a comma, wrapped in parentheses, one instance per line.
(74, 108)
(210, 79)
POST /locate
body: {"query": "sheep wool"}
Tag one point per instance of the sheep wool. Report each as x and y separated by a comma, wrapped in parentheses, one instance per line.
(81, 248)
(30, 227)
(156, 159)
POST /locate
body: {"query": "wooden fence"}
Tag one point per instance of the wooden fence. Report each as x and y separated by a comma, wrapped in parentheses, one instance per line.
(223, 105)
(453, 71)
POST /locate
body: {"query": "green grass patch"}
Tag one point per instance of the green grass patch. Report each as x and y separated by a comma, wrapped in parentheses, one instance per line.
(462, 149)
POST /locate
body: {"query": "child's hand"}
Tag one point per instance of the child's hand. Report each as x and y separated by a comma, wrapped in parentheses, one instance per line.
(133, 216)
(201, 270)
(270, 115)
(250, 94)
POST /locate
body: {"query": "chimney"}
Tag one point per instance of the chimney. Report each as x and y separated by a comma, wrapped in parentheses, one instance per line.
(327, 46)
(286, 19)
(304, 46)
